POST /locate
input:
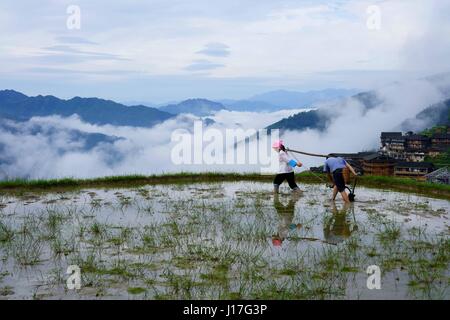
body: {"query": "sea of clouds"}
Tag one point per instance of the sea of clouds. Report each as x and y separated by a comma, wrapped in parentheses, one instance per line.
(45, 147)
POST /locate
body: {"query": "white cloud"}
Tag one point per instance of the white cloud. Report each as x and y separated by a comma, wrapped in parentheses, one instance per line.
(354, 129)
(233, 119)
(52, 153)
(287, 42)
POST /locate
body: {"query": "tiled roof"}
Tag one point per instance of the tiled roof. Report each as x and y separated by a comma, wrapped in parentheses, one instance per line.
(417, 137)
(391, 135)
(439, 173)
(379, 158)
(427, 165)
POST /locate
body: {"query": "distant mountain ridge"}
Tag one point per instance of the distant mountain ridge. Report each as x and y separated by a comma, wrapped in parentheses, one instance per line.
(316, 119)
(198, 107)
(17, 106)
(436, 114)
(298, 99)
(285, 99)
(249, 105)
(301, 121)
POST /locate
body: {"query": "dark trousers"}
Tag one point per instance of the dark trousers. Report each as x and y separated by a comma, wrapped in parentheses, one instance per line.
(279, 178)
(339, 181)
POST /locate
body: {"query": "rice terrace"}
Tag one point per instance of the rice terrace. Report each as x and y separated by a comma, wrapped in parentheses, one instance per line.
(219, 236)
(225, 159)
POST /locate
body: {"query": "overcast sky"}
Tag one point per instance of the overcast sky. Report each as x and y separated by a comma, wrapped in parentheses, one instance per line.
(161, 50)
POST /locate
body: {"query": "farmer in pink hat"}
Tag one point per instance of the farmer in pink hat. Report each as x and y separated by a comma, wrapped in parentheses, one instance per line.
(286, 170)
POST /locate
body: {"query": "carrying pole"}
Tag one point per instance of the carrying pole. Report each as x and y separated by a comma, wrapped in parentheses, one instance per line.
(308, 153)
(317, 176)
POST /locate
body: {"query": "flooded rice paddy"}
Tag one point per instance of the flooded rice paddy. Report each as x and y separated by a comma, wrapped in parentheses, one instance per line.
(223, 241)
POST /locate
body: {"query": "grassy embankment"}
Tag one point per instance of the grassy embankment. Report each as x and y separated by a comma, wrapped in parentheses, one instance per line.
(393, 183)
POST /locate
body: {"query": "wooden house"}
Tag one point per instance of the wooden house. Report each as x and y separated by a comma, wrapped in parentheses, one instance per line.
(440, 139)
(417, 142)
(379, 165)
(437, 150)
(393, 141)
(415, 156)
(417, 170)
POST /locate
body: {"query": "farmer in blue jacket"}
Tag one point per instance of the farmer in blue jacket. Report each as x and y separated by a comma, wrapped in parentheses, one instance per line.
(334, 168)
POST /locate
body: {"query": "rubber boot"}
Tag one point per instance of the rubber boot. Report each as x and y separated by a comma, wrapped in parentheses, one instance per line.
(276, 188)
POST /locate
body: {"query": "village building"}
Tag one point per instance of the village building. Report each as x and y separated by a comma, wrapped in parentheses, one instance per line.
(417, 170)
(440, 139)
(406, 155)
(437, 150)
(417, 142)
(393, 141)
(379, 165)
(412, 147)
(414, 156)
(400, 155)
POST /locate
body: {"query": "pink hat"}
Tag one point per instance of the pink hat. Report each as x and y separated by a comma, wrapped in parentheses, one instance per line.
(277, 144)
(276, 242)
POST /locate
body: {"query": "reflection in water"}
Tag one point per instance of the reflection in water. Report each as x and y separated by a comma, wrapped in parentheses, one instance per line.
(286, 214)
(339, 225)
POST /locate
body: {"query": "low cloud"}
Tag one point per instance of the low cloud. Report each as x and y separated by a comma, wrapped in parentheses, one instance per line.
(215, 50)
(355, 128)
(46, 147)
(70, 50)
(54, 153)
(74, 40)
(202, 65)
(63, 71)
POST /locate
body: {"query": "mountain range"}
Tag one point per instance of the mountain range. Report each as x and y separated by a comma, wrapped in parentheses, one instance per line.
(284, 99)
(316, 119)
(435, 114)
(20, 107)
(198, 107)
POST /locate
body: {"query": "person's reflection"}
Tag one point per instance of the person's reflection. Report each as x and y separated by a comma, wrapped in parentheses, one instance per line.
(286, 215)
(339, 227)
